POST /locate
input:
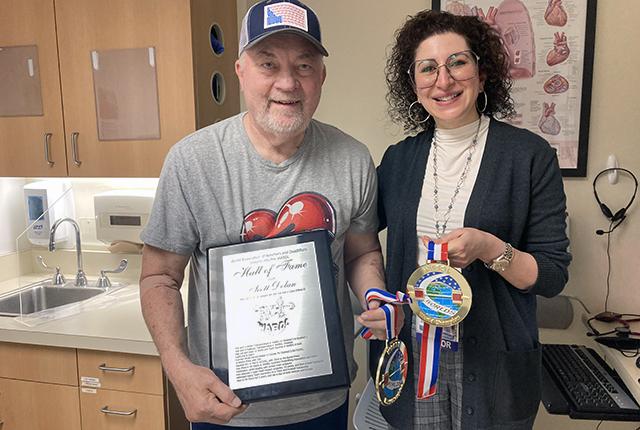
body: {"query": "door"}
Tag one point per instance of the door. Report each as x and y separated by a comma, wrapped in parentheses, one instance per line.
(32, 141)
(95, 36)
(35, 405)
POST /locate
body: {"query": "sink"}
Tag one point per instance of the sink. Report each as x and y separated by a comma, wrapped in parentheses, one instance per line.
(44, 295)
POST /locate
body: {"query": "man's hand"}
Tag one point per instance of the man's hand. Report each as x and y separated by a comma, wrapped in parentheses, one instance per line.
(203, 396)
(363, 265)
(375, 320)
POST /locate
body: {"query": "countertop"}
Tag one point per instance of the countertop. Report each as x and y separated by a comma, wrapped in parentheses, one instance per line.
(114, 324)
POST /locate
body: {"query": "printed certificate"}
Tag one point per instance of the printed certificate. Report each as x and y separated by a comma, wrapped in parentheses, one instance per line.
(283, 331)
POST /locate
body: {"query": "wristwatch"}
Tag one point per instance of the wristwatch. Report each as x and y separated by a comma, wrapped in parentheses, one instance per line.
(501, 263)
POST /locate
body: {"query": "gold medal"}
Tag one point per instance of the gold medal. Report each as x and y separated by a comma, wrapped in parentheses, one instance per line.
(391, 374)
(440, 295)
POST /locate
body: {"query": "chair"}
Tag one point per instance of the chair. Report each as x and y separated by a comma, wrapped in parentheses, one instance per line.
(367, 413)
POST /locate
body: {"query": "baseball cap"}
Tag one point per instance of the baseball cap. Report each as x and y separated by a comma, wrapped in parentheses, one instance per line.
(270, 17)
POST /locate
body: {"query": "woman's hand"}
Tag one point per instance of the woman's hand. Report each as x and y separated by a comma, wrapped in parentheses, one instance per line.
(465, 245)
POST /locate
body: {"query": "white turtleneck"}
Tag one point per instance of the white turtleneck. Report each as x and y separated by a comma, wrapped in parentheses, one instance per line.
(453, 149)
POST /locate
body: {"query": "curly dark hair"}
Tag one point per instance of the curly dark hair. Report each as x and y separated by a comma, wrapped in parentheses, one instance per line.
(481, 38)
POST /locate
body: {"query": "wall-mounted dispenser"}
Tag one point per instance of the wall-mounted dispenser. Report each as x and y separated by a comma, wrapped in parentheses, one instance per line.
(45, 203)
(122, 214)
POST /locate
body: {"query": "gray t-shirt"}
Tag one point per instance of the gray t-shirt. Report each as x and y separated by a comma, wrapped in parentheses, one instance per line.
(215, 190)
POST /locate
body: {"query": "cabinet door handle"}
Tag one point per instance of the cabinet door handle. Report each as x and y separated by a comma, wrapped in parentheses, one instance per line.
(74, 148)
(47, 156)
(107, 411)
(106, 368)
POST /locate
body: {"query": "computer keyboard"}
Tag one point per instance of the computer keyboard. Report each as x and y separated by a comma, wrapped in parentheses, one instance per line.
(591, 389)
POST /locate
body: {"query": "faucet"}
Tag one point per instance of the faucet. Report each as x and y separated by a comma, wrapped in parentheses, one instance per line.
(81, 278)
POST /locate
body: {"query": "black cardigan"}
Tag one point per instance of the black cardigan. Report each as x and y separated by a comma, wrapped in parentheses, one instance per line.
(518, 196)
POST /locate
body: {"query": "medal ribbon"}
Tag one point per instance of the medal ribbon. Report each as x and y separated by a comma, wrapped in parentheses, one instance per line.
(437, 251)
(429, 361)
(391, 316)
(431, 336)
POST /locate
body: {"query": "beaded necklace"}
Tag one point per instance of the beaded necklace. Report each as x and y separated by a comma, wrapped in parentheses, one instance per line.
(441, 222)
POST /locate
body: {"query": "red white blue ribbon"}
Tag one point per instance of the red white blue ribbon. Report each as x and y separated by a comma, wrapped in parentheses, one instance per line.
(391, 316)
(437, 251)
(429, 340)
(430, 336)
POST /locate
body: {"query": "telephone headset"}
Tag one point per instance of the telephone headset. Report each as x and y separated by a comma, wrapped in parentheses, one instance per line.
(621, 337)
(619, 216)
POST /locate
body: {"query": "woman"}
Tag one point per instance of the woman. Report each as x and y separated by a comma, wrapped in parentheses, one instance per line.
(494, 194)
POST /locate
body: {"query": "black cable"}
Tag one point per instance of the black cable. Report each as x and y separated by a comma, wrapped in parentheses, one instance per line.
(606, 300)
(600, 423)
(629, 353)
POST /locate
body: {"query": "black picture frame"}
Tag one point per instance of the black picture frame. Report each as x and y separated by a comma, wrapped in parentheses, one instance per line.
(218, 356)
(576, 164)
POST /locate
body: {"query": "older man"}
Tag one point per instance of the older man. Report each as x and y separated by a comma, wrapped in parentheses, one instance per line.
(218, 186)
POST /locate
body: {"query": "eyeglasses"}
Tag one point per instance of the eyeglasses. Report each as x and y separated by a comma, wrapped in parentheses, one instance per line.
(461, 66)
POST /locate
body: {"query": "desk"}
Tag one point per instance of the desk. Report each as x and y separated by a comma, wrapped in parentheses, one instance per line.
(574, 334)
(626, 368)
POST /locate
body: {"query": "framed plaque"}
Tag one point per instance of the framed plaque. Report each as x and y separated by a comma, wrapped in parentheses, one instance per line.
(275, 302)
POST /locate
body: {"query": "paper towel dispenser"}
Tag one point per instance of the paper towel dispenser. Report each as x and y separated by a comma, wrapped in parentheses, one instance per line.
(122, 214)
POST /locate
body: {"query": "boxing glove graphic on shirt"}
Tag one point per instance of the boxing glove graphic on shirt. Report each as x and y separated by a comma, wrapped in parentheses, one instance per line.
(302, 212)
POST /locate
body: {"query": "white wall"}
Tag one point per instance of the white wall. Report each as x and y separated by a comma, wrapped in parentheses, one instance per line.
(12, 215)
(615, 129)
(358, 34)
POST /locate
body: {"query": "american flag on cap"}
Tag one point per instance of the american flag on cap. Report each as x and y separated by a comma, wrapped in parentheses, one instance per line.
(276, 16)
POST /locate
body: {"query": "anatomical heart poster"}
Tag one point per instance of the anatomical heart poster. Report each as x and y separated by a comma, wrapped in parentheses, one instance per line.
(549, 44)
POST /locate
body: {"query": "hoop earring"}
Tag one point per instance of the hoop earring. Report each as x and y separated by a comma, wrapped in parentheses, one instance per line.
(411, 115)
(486, 103)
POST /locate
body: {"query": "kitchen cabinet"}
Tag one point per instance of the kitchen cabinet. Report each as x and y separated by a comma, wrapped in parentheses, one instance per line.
(118, 371)
(34, 405)
(114, 410)
(120, 81)
(121, 391)
(33, 145)
(84, 389)
(38, 388)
